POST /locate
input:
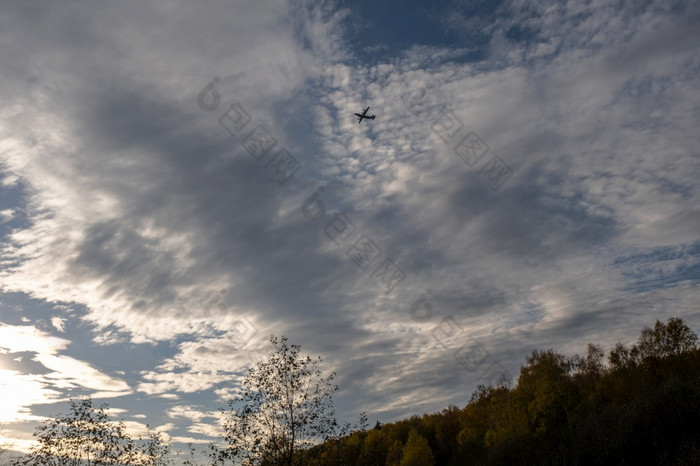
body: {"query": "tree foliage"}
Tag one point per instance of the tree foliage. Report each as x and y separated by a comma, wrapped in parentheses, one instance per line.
(88, 437)
(643, 407)
(285, 408)
(416, 452)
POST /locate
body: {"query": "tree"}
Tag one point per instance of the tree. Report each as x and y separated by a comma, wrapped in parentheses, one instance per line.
(447, 427)
(87, 436)
(284, 408)
(593, 364)
(544, 388)
(620, 357)
(154, 451)
(395, 453)
(668, 339)
(416, 452)
(672, 338)
(375, 448)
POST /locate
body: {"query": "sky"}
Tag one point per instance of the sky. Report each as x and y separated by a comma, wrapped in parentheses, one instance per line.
(179, 180)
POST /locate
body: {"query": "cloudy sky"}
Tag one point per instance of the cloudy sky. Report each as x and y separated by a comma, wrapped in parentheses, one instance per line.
(179, 180)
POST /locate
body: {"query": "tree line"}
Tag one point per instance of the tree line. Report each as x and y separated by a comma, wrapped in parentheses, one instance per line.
(641, 406)
(638, 405)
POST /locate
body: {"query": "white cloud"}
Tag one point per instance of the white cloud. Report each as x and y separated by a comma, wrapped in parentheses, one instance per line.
(58, 323)
(6, 214)
(18, 338)
(21, 390)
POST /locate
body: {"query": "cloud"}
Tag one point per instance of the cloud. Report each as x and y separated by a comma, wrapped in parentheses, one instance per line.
(19, 338)
(19, 392)
(145, 213)
(70, 371)
(6, 214)
(28, 386)
(95, 249)
(58, 323)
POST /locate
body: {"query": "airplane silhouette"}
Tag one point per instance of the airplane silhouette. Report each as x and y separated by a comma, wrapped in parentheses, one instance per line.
(364, 115)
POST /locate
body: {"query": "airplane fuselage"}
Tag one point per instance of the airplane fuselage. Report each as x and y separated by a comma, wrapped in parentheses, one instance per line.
(362, 115)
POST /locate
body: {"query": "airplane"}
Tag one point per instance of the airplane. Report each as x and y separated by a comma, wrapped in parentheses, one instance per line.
(362, 115)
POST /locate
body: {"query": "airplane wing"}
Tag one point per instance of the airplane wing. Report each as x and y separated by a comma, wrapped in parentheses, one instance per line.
(365, 110)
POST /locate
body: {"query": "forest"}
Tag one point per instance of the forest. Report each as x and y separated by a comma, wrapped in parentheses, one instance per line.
(636, 405)
(641, 406)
